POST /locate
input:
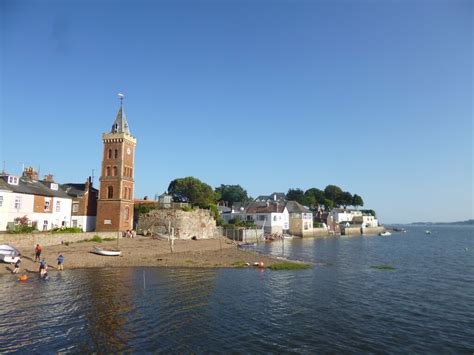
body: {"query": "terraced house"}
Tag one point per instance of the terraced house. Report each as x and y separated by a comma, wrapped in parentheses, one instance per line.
(43, 202)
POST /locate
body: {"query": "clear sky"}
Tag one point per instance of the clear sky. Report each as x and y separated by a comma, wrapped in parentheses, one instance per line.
(372, 96)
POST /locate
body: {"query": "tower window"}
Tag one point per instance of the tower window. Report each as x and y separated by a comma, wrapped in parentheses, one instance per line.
(126, 213)
(110, 153)
(115, 171)
(110, 192)
(116, 153)
(107, 171)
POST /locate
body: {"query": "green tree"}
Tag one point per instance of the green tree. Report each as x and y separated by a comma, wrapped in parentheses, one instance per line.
(231, 194)
(315, 197)
(344, 199)
(198, 192)
(296, 195)
(371, 212)
(333, 193)
(357, 201)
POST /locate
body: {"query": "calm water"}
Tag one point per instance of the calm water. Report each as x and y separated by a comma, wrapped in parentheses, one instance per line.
(426, 305)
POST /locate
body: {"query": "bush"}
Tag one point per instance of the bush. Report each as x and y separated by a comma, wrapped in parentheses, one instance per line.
(19, 229)
(187, 209)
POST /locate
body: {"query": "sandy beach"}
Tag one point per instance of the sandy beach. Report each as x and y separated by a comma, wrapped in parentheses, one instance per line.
(142, 251)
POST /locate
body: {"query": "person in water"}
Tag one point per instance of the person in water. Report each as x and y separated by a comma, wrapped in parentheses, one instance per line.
(37, 252)
(43, 267)
(60, 262)
(17, 266)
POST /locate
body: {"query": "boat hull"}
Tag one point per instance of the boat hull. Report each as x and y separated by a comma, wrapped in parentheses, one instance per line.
(104, 252)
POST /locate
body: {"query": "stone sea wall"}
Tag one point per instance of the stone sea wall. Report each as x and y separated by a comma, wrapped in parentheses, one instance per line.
(29, 240)
(198, 223)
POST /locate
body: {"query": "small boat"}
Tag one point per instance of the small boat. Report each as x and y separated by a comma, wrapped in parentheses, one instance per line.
(384, 234)
(247, 245)
(428, 232)
(106, 252)
(9, 254)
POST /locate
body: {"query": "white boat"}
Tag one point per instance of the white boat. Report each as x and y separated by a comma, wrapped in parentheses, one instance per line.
(9, 254)
(385, 234)
(428, 232)
(106, 252)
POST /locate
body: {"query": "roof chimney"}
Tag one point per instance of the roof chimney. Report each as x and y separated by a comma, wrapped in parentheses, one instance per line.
(29, 172)
(48, 178)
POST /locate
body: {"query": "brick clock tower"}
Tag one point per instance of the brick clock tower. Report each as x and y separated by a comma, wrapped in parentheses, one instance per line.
(115, 203)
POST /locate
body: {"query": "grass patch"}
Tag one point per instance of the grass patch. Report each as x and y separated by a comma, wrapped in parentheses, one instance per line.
(382, 267)
(288, 265)
(96, 239)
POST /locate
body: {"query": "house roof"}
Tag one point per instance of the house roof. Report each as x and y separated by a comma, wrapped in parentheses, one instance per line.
(275, 196)
(75, 190)
(120, 124)
(31, 187)
(265, 207)
(295, 207)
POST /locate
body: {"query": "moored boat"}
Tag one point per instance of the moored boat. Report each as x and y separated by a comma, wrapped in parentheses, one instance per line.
(385, 233)
(9, 254)
(105, 252)
(247, 245)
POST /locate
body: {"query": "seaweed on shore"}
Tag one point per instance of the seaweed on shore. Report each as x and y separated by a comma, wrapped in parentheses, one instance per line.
(382, 267)
(288, 265)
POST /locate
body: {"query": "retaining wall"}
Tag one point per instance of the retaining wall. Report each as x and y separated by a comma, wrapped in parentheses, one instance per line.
(29, 240)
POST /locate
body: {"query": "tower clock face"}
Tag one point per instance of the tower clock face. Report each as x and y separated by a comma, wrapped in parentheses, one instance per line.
(129, 151)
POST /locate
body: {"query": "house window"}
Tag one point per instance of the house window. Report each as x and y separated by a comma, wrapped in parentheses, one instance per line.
(261, 218)
(46, 205)
(75, 208)
(115, 171)
(110, 192)
(54, 186)
(45, 225)
(13, 180)
(107, 171)
(74, 223)
(274, 218)
(58, 206)
(116, 153)
(126, 213)
(1, 201)
(17, 202)
(110, 153)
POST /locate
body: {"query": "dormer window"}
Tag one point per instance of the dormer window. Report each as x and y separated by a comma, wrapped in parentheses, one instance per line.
(54, 186)
(13, 180)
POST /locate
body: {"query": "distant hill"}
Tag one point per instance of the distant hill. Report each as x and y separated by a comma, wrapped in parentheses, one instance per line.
(469, 222)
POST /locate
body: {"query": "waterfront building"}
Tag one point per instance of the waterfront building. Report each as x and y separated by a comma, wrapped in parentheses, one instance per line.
(300, 219)
(115, 203)
(344, 215)
(42, 202)
(84, 204)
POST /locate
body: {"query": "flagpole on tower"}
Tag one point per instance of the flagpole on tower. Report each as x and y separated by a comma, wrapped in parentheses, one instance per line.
(121, 96)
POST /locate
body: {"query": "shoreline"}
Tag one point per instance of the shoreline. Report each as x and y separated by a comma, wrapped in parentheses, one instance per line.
(143, 252)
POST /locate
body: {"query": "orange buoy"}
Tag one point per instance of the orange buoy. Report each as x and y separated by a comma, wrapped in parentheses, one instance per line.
(23, 278)
(261, 265)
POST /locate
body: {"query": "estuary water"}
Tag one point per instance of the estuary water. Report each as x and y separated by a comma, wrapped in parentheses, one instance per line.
(424, 305)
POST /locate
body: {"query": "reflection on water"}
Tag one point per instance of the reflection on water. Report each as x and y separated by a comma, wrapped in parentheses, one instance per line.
(340, 305)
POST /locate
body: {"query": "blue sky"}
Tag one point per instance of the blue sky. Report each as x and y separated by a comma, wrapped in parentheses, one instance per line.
(372, 96)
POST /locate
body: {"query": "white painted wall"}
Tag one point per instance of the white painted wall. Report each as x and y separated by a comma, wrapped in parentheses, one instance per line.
(8, 212)
(345, 216)
(86, 223)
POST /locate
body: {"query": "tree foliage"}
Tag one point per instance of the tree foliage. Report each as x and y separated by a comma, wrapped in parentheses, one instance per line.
(357, 201)
(198, 192)
(296, 195)
(231, 194)
(315, 197)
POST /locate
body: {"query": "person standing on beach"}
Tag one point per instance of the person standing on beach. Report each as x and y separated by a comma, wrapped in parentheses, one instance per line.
(17, 266)
(60, 262)
(37, 252)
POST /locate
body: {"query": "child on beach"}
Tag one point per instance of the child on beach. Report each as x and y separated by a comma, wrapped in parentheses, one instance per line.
(17, 266)
(60, 262)
(37, 252)
(43, 267)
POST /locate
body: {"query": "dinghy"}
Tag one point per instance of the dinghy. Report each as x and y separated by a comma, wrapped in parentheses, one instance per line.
(106, 252)
(9, 254)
